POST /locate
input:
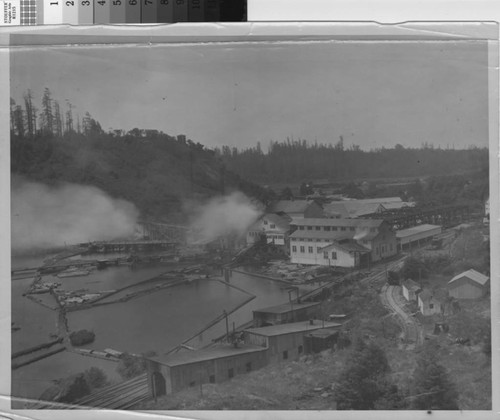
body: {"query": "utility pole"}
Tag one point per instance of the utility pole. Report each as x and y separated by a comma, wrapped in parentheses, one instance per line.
(227, 325)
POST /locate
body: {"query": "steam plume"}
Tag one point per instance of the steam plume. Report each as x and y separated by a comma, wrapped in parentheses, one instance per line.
(229, 215)
(45, 216)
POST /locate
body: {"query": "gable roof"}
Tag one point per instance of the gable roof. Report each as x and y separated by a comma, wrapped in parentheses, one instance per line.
(282, 222)
(346, 245)
(316, 221)
(472, 275)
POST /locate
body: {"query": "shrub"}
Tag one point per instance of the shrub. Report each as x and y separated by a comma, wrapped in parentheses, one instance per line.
(79, 338)
(132, 366)
(95, 377)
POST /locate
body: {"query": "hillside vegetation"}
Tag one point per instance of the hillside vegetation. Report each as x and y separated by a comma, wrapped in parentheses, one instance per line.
(155, 171)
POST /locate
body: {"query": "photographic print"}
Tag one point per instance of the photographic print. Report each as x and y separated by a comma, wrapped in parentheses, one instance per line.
(251, 223)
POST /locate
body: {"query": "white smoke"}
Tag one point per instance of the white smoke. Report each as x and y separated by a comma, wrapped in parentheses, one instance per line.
(46, 216)
(221, 216)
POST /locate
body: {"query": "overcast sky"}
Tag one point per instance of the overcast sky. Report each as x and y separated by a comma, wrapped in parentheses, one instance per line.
(374, 94)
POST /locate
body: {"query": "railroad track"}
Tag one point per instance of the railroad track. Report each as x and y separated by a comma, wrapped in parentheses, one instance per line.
(411, 330)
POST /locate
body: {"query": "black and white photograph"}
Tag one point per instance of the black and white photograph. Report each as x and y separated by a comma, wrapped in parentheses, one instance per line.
(252, 223)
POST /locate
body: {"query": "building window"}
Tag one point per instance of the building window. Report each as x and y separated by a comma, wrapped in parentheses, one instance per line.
(309, 228)
(272, 226)
(327, 228)
(310, 250)
(193, 383)
(334, 255)
(301, 349)
(335, 228)
(325, 255)
(302, 249)
(301, 227)
(343, 228)
(309, 240)
(211, 379)
(431, 306)
(230, 373)
(285, 355)
(351, 229)
(294, 248)
(318, 249)
(248, 367)
(265, 222)
(318, 227)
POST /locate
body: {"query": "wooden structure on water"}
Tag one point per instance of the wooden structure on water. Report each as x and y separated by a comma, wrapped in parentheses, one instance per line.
(163, 232)
(132, 246)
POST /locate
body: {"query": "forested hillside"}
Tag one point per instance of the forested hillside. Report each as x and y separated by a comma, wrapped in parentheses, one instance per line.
(296, 161)
(155, 171)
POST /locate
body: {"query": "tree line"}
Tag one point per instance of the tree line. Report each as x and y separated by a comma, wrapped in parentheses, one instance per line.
(49, 119)
(299, 160)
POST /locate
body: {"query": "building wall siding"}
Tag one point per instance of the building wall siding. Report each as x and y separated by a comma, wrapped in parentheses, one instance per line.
(464, 288)
(184, 376)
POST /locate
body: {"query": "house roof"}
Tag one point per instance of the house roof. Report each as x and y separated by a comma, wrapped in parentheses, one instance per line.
(350, 246)
(472, 275)
(282, 222)
(320, 234)
(293, 327)
(316, 221)
(286, 307)
(323, 333)
(396, 206)
(425, 295)
(436, 295)
(352, 208)
(185, 357)
(291, 206)
(404, 233)
(379, 200)
(411, 285)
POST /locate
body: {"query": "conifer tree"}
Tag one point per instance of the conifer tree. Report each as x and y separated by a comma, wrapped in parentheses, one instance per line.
(364, 383)
(433, 390)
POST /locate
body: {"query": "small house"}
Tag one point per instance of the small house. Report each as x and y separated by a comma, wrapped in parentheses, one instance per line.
(468, 285)
(410, 289)
(273, 227)
(320, 340)
(428, 303)
(285, 341)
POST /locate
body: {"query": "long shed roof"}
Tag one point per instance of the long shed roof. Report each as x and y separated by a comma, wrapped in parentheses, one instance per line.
(404, 233)
(185, 357)
(286, 307)
(473, 275)
(293, 327)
